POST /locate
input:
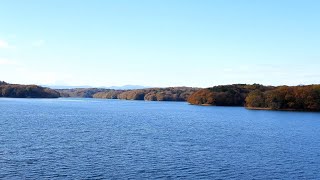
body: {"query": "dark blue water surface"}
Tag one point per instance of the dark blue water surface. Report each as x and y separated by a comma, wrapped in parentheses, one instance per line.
(114, 139)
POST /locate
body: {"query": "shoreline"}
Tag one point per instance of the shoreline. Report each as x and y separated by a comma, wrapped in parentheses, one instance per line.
(258, 108)
(269, 109)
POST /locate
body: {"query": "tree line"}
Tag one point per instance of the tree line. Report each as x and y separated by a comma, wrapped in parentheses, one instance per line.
(255, 96)
(80, 92)
(26, 91)
(306, 98)
(150, 94)
(285, 97)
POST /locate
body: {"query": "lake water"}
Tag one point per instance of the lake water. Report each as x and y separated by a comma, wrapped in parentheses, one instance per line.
(116, 139)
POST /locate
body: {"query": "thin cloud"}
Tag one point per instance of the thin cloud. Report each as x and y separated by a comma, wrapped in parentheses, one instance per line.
(36, 76)
(4, 44)
(38, 43)
(5, 61)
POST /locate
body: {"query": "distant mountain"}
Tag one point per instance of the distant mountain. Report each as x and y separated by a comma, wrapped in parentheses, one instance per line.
(3, 83)
(125, 87)
(65, 87)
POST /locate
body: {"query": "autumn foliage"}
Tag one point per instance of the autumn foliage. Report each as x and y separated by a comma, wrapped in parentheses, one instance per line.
(80, 92)
(151, 94)
(26, 91)
(226, 95)
(306, 98)
(286, 97)
(255, 96)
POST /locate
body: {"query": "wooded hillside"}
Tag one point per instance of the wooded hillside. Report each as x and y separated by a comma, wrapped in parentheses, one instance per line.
(26, 91)
(305, 98)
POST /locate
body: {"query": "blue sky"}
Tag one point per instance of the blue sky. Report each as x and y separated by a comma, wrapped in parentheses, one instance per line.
(160, 42)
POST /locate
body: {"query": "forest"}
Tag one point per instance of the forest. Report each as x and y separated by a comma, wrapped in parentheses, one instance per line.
(80, 92)
(225, 95)
(26, 91)
(302, 98)
(159, 94)
(150, 94)
(255, 96)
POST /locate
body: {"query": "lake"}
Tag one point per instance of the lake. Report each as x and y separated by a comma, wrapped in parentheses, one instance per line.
(117, 139)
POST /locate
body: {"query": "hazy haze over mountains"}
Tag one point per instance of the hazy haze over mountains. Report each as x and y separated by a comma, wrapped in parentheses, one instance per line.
(124, 87)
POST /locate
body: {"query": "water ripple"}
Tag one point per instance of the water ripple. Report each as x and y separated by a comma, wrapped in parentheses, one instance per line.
(83, 139)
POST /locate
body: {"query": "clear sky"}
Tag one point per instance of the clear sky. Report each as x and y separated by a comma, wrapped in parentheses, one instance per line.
(160, 42)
